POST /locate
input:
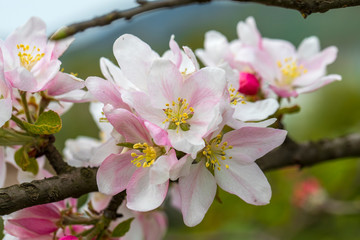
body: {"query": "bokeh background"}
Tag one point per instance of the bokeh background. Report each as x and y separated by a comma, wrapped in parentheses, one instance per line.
(331, 112)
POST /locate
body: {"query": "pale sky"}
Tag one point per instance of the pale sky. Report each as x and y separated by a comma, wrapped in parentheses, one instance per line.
(14, 13)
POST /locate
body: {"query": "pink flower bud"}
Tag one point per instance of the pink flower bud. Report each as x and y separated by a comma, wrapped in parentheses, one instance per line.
(249, 84)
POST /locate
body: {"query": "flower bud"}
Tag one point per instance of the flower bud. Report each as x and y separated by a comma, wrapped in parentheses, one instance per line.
(249, 84)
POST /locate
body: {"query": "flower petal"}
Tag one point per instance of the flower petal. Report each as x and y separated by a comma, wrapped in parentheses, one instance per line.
(255, 111)
(114, 173)
(197, 192)
(247, 181)
(142, 195)
(253, 142)
(134, 58)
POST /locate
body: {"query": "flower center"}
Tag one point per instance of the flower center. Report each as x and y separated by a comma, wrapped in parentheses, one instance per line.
(28, 58)
(290, 70)
(147, 158)
(177, 115)
(235, 96)
(214, 152)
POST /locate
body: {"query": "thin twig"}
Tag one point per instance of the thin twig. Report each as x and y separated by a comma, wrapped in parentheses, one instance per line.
(305, 7)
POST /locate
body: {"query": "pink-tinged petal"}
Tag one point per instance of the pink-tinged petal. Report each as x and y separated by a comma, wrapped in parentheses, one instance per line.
(188, 141)
(99, 201)
(44, 71)
(160, 170)
(142, 195)
(197, 192)
(235, 124)
(200, 95)
(165, 80)
(248, 33)
(128, 125)
(5, 110)
(216, 49)
(154, 225)
(19, 232)
(75, 96)
(48, 211)
(103, 151)
(159, 135)
(114, 74)
(308, 48)
(2, 167)
(69, 238)
(177, 56)
(114, 173)
(134, 58)
(279, 49)
(38, 226)
(319, 83)
(175, 198)
(190, 54)
(255, 111)
(142, 103)
(60, 47)
(105, 91)
(63, 83)
(181, 168)
(246, 181)
(21, 79)
(32, 33)
(253, 142)
(284, 92)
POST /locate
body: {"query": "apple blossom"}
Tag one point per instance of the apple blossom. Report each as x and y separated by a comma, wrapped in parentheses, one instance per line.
(228, 161)
(30, 60)
(143, 171)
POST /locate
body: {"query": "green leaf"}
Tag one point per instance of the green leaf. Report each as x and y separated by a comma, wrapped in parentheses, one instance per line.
(26, 163)
(48, 123)
(1, 228)
(82, 200)
(122, 228)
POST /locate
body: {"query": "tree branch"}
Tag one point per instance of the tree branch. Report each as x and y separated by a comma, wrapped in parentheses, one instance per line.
(305, 7)
(83, 180)
(73, 184)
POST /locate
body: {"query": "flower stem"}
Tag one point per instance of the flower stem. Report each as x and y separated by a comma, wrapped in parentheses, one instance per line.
(26, 107)
(18, 121)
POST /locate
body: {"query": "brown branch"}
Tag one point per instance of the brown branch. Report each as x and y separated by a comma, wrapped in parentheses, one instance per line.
(73, 184)
(83, 180)
(55, 158)
(305, 7)
(310, 153)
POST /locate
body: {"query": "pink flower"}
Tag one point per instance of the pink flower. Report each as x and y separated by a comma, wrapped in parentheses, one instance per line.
(293, 72)
(228, 161)
(69, 238)
(185, 108)
(36, 222)
(30, 60)
(144, 171)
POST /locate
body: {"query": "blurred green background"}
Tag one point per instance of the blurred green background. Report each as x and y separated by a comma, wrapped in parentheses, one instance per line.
(330, 112)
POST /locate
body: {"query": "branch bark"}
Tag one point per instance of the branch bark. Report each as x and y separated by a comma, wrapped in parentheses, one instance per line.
(305, 7)
(80, 181)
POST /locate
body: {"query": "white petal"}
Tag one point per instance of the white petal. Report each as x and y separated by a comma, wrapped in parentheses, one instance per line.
(247, 181)
(255, 111)
(197, 191)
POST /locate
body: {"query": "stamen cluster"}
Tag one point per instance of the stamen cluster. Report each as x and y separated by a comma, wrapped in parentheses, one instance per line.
(177, 115)
(215, 153)
(28, 58)
(145, 160)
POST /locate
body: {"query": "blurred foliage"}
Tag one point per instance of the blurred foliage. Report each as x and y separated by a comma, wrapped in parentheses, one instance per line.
(330, 112)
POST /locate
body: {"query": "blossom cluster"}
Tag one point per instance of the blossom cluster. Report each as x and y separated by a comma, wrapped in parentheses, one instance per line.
(166, 121)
